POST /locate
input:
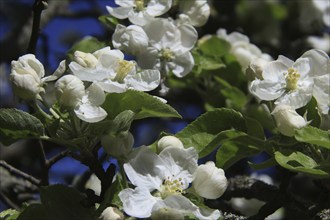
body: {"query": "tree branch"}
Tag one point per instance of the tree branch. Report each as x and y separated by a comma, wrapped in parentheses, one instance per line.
(7, 201)
(20, 173)
(38, 7)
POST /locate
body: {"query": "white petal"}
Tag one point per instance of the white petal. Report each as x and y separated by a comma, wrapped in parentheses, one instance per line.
(86, 74)
(90, 113)
(125, 3)
(137, 202)
(285, 60)
(267, 90)
(119, 12)
(177, 202)
(156, 8)
(321, 92)
(206, 214)
(182, 163)
(319, 62)
(184, 64)
(146, 80)
(145, 169)
(139, 18)
(302, 66)
(148, 58)
(112, 86)
(189, 36)
(96, 94)
(274, 71)
(58, 72)
(299, 97)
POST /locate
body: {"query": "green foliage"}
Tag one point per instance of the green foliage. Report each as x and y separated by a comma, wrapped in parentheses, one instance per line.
(313, 135)
(214, 47)
(58, 202)
(87, 45)
(16, 124)
(109, 21)
(201, 132)
(9, 214)
(141, 103)
(297, 161)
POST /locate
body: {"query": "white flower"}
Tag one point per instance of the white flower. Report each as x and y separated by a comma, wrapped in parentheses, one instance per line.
(94, 183)
(196, 12)
(112, 213)
(111, 72)
(118, 145)
(285, 81)
(166, 176)
(169, 47)
(288, 120)
(256, 68)
(71, 94)
(139, 12)
(131, 39)
(320, 72)
(241, 47)
(167, 213)
(26, 74)
(168, 141)
(69, 91)
(210, 182)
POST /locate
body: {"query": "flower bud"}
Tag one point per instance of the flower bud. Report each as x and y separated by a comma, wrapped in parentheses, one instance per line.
(85, 59)
(167, 214)
(111, 213)
(288, 120)
(118, 145)
(69, 90)
(169, 141)
(26, 76)
(198, 12)
(210, 182)
(255, 69)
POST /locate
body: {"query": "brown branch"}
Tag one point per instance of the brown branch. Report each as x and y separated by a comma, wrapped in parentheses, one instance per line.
(38, 7)
(20, 173)
(8, 201)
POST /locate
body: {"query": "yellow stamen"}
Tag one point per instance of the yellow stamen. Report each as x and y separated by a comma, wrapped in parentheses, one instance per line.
(123, 69)
(292, 78)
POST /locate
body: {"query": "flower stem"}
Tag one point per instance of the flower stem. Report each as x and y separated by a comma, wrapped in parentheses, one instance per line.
(122, 172)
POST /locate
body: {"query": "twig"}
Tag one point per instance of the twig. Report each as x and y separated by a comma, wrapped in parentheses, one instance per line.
(20, 173)
(45, 176)
(57, 157)
(8, 202)
(38, 7)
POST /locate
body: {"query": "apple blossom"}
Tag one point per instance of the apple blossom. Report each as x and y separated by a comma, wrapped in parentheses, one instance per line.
(139, 12)
(167, 214)
(112, 213)
(168, 141)
(71, 94)
(241, 47)
(285, 81)
(118, 145)
(210, 182)
(195, 12)
(288, 120)
(320, 72)
(26, 74)
(131, 39)
(169, 47)
(160, 181)
(69, 91)
(111, 72)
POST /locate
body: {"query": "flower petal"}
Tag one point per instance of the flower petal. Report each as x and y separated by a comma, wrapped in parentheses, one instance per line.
(321, 92)
(145, 169)
(146, 80)
(137, 202)
(96, 94)
(267, 90)
(184, 64)
(119, 12)
(90, 113)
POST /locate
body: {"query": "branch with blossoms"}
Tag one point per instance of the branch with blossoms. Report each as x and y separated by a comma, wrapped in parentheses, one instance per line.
(253, 105)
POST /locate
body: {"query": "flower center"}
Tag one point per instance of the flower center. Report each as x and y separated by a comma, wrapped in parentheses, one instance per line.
(166, 54)
(123, 70)
(291, 79)
(139, 5)
(171, 187)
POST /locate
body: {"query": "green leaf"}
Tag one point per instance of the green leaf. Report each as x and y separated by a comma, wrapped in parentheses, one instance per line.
(9, 214)
(58, 202)
(109, 21)
(141, 103)
(215, 46)
(299, 162)
(310, 111)
(254, 128)
(266, 164)
(313, 135)
(16, 124)
(210, 63)
(231, 152)
(201, 132)
(35, 212)
(87, 45)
